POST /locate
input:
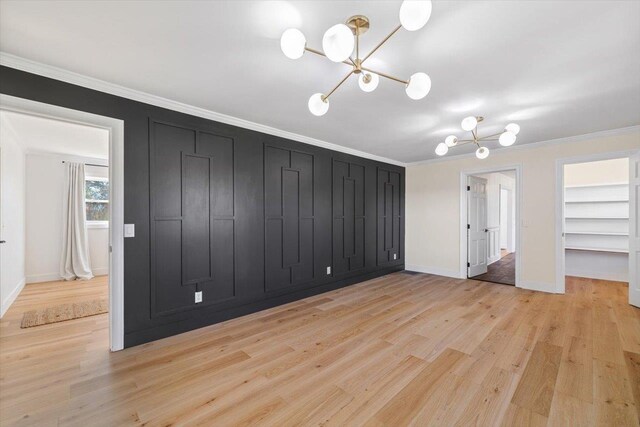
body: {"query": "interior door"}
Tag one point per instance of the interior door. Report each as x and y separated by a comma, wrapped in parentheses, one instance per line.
(476, 226)
(634, 230)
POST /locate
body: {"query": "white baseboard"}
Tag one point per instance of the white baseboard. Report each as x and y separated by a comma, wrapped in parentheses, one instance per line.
(539, 286)
(492, 260)
(49, 277)
(433, 270)
(617, 276)
(6, 303)
(101, 271)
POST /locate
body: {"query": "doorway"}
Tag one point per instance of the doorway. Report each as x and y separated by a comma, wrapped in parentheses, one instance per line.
(489, 232)
(72, 194)
(597, 219)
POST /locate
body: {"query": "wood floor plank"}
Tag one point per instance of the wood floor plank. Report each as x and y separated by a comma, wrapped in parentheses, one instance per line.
(404, 349)
(535, 390)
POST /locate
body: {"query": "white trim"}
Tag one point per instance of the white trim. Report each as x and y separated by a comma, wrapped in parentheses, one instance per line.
(44, 277)
(116, 179)
(539, 286)
(517, 227)
(577, 138)
(559, 209)
(4, 306)
(433, 270)
(97, 224)
(40, 69)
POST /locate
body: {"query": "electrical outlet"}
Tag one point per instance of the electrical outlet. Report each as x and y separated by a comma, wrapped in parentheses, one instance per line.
(328, 270)
(395, 256)
(198, 297)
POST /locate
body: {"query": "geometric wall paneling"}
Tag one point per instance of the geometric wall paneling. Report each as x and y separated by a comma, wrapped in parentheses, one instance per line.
(348, 217)
(258, 186)
(390, 231)
(289, 209)
(191, 217)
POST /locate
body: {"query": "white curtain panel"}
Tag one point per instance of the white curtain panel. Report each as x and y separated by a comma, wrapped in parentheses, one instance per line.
(75, 262)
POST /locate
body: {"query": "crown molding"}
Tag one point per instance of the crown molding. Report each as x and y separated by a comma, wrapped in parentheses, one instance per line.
(577, 138)
(33, 67)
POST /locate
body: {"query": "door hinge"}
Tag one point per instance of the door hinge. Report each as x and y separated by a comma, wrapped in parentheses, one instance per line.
(468, 226)
(468, 188)
(468, 264)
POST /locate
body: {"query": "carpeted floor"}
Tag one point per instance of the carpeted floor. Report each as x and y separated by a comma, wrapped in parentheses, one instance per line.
(502, 271)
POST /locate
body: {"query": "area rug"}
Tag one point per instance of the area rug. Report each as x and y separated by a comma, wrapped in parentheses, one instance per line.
(62, 312)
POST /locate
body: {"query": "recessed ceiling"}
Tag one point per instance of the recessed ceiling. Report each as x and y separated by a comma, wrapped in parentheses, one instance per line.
(558, 68)
(44, 135)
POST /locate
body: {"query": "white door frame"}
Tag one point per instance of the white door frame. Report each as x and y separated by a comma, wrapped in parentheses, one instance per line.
(463, 213)
(116, 197)
(560, 163)
(510, 217)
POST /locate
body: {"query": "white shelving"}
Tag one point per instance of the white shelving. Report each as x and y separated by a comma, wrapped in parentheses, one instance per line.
(597, 231)
(597, 218)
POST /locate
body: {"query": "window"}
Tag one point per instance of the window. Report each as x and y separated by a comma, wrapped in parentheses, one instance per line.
(97, 201)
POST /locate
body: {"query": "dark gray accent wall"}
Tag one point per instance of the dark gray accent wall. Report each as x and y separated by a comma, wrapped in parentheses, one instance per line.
(250, 220)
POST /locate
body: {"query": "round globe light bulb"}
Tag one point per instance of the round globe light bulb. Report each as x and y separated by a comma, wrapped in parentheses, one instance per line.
(419, 86)
(441, 149)
(451, 141)
(512, 127)
(293, 43)
(368, 82)
(317, 105)
(482, 153)
(469, 123)
(507, 138)
(414, 14)
(338, 43)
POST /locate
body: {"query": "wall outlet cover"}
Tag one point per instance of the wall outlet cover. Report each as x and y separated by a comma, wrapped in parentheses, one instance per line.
(198, 297)
(328, 270)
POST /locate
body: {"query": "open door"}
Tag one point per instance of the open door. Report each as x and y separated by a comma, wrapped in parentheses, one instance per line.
(634, 230)
(476, 226)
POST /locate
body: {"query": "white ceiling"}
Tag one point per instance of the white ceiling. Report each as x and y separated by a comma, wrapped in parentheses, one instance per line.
(44, 135)
(558, 68)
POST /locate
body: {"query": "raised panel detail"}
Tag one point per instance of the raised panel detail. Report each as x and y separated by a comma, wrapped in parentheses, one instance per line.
(289, 218)
(348, 217)
(389, 217)
(192, 218)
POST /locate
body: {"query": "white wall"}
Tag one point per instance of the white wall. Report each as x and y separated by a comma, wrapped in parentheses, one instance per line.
(12, 207)
(45, 186)
(433, 206)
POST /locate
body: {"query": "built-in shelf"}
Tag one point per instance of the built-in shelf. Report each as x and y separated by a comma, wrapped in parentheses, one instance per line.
(597, 217)
(597, 233)
(620, 251)
(597, 201)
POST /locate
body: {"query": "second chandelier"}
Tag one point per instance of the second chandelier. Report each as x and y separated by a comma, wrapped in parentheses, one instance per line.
(339, 43)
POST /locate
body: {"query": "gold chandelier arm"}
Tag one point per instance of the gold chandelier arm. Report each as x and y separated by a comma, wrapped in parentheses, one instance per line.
(338, 85)
(386, 75)
(490, 137)
(350, 63)
(382, 42)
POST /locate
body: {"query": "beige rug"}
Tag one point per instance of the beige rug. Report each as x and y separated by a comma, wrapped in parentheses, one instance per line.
(62, 312)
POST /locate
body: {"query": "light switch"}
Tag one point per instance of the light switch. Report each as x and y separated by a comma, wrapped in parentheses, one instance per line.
(328, 270)
(129, 230)
(395, 256)
(198, 297)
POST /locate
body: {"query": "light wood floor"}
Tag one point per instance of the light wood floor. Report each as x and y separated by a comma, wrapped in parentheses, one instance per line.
(399, 350)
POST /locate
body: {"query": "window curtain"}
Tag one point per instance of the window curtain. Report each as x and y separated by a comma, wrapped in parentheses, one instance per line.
(75, 262)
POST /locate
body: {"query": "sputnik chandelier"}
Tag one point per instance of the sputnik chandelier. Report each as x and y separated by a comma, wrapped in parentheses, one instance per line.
(470, 124)
(338, 45)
